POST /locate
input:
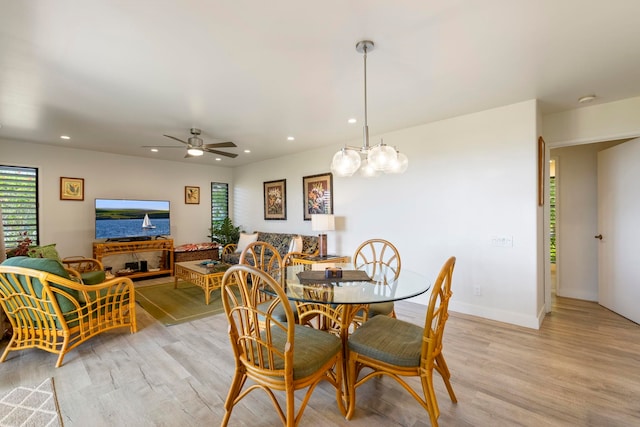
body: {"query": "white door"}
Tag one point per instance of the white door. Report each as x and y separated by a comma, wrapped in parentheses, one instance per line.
(619, 228)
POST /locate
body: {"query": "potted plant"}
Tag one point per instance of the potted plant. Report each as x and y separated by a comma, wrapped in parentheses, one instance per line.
(224, 232)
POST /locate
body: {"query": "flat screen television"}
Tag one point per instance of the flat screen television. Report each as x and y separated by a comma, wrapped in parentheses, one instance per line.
(120, 219)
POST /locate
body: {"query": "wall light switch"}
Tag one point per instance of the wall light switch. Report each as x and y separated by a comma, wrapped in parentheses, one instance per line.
(502, 241)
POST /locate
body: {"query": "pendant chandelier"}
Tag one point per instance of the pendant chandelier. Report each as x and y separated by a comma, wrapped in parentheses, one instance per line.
(371, 160)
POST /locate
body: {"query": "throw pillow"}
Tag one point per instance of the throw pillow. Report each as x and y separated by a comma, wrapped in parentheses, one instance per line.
(296, 244)
(244, 241)
(48, 251)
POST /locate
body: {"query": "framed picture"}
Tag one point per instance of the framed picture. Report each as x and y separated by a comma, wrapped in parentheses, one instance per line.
(541, 167)
(317, 193)
(275, 199)
(192, 195)
(71, 188)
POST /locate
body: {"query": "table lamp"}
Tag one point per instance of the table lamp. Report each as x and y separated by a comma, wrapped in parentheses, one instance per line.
(322, 222)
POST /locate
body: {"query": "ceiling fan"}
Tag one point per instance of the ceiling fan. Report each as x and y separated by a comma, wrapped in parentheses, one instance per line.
(196, 146)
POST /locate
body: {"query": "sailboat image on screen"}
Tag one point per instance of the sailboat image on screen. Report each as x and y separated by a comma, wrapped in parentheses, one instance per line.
(146, 223)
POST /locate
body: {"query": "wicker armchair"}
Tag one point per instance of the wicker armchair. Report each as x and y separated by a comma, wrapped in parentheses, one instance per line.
(49, 311)
(90, 270)
(229, 249)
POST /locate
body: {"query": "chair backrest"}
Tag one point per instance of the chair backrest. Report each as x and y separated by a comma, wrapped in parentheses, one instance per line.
(437, 314)
(261, 255)
(33, 299)
(260, 342)
(379, 258)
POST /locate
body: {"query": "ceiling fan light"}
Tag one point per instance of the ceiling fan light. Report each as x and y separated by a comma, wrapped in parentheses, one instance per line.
(195, 152)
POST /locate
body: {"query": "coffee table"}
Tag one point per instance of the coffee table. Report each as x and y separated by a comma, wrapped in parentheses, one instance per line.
(208, 278)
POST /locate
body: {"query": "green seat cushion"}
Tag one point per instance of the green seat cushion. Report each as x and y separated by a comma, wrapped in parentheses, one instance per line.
(278, 312)
(380, 308)
(48, 251)
(50, 266)
(93, 277)
(312, 349)
(389, 340)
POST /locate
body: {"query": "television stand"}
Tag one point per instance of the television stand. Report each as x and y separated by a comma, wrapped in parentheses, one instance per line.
(105, 249)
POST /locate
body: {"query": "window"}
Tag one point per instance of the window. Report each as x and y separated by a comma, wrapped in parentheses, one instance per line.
(219, 201)
(19, 203)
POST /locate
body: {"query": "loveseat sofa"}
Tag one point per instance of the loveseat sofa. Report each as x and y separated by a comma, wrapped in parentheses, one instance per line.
(283, 242)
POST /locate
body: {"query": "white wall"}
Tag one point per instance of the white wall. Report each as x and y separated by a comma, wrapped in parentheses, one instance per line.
(602, 122)
(70, 224)
(469, 178)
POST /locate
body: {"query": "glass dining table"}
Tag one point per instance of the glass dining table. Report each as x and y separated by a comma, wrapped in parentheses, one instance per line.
(339, 304)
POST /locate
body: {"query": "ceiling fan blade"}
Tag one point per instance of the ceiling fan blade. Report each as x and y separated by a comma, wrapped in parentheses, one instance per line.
(163, 146)
(222, 153)
(220, 145)
(177, 139)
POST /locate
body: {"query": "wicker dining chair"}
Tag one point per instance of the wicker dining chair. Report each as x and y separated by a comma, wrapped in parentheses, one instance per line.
(275, 355)
(261, 255)
(398, 349)
(381, 260)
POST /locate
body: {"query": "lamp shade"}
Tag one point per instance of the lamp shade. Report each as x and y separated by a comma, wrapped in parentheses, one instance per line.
(323, 222)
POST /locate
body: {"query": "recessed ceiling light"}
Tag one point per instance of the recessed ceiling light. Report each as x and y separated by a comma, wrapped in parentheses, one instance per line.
(586, 99)
(155, 150)
(218, 159)
(247, 151)
(352, 120)
(290, 138)
(65, 137)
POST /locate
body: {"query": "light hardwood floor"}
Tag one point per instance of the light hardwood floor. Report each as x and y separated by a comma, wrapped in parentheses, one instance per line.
(582, 368)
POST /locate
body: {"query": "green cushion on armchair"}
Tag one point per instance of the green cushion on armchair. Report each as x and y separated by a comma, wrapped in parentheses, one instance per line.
(50, 266)
(93, 277)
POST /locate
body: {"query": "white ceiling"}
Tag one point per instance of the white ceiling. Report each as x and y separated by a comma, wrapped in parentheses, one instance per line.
(116, 75)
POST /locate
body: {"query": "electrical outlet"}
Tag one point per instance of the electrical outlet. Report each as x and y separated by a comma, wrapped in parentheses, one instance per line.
(477, 291)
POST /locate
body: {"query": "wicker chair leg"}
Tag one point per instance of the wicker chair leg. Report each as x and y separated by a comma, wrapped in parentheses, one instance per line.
(443, 369)
(234, 391)
(430, 398)
(8, 349)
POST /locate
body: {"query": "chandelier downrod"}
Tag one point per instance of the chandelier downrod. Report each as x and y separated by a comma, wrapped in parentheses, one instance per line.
(363, 47)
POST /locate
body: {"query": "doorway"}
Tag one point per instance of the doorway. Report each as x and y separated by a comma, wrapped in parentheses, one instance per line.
(575, 176)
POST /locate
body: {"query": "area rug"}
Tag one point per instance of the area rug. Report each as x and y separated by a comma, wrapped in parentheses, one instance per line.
(31, 406)
(173, 306)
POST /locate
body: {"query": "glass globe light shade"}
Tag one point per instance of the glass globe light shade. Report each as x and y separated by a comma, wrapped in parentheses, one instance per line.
(400, 165)
(195, 152)
(367, 170)
(381, 157)
(345, 162)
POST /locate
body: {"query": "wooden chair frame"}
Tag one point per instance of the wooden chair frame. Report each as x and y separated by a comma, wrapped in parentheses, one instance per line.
(431, 354)
(82, 264)
(261, 255)
(259, 356)
(381, 259)
(38, 321)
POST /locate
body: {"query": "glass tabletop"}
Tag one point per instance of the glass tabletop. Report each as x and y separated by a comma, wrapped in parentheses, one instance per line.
(308, 283)
(204, 266)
